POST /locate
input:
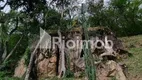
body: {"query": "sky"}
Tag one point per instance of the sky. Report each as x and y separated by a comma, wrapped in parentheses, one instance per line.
(7, 8)
(106, 2)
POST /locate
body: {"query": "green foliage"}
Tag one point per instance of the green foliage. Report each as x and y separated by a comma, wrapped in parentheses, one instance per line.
(21, 47)
(122, 16)
(5, 75)
(2, 74)
(113, 78)
(27, 56)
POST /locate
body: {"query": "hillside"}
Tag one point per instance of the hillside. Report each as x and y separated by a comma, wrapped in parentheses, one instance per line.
(134, 45)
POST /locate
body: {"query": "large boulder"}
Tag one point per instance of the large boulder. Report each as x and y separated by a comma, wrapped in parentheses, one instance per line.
(46, 67)
(20, 69)
(110, 70)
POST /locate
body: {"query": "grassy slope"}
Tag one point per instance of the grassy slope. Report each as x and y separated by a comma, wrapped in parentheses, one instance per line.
(134, 45)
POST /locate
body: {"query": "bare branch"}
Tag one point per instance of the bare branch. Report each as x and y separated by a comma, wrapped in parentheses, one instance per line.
(61, 68)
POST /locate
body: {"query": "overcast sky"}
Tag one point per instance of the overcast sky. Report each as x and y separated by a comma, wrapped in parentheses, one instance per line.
(7, 8)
